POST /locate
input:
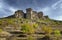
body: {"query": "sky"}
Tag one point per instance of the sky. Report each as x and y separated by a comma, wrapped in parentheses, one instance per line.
(52, 8)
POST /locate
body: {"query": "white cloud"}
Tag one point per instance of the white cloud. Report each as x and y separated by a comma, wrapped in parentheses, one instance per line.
(59, 18)
(12, 9)
(3, 9)
(56, 5)
(60, 5)
(6, 10)
(1, 4)
(54, 11)
(47, 10)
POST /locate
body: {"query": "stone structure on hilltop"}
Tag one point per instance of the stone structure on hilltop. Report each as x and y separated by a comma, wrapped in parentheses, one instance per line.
(40, 15)
(19, 14)
(30, 14)
(35, 15)
(45, 17)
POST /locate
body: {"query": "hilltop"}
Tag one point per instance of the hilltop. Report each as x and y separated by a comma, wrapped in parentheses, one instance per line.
(19, 17)
(29, 25)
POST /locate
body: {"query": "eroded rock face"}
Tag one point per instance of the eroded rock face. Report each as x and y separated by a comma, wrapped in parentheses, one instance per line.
(45, 38)
(30, 14)
(40, 14)
(2, 38)
(46, 17)
(19, 14)
(4, 35)
(34, 15)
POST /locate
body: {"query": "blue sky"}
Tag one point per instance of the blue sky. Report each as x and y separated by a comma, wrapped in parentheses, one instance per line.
(52, 8)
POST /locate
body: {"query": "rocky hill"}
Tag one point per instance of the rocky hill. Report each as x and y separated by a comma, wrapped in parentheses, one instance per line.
(15, 21)
(29, 25)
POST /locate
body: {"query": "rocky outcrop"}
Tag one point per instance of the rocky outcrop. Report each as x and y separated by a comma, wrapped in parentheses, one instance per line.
(19, 14)
(30, 14)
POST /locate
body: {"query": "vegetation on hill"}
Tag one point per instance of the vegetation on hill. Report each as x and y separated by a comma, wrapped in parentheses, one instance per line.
(32, 26)
(18, 21)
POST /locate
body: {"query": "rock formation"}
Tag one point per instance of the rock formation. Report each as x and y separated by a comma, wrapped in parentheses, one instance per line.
(30, 14)
(19, 14)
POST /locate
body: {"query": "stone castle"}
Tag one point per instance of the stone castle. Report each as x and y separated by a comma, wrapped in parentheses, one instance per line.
(30, 14)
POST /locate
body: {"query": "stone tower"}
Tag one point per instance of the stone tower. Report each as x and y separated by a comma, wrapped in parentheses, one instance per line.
(19, 14)
(29, 13)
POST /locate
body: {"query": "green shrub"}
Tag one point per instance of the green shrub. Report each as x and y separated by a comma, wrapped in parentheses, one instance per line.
(27, 28)
(57, 34)
(47, 30)
(35, 25)
(1, 30)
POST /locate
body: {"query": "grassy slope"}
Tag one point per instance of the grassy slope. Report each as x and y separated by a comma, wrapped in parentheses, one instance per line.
(16, 20)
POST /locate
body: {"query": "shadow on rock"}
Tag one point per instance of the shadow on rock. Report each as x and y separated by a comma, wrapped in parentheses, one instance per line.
(44, 38)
